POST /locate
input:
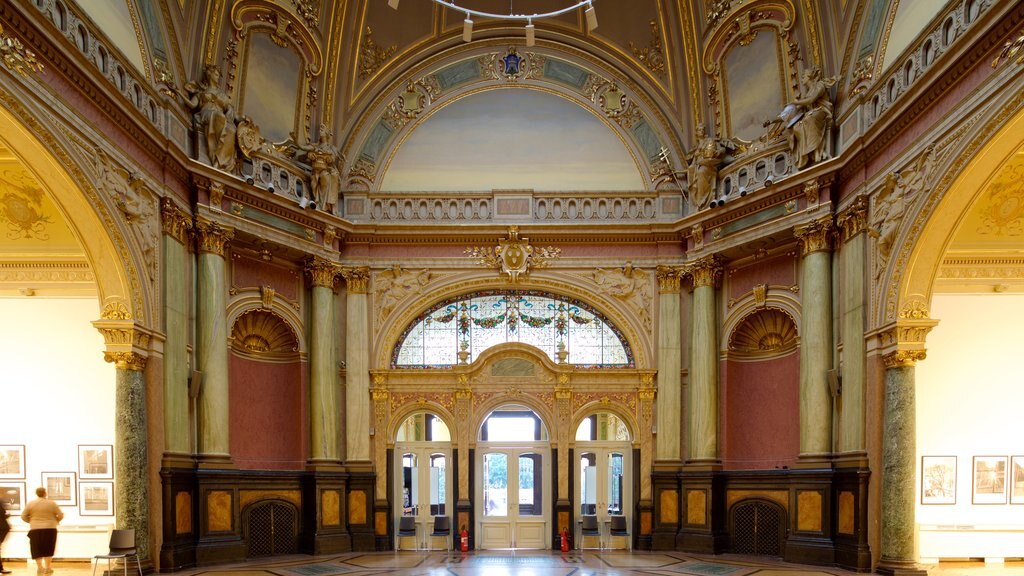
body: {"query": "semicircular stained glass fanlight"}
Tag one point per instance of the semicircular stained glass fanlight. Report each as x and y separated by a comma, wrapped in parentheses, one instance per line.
(459, 329)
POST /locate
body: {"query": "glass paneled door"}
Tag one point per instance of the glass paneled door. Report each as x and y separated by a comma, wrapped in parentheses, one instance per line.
(603, 476)
(512, 498)
(423, 483)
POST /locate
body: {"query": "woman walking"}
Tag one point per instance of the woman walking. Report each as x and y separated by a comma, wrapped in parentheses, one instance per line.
(42, 516)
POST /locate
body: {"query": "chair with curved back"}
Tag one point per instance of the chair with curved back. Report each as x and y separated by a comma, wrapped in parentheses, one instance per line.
(122, 547)
(443, 529)
(589, 530)
(406, 530)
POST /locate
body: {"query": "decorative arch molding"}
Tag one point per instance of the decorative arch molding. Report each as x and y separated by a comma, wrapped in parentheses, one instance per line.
(387, 338)
(423, 405)
(43, 149)
(778, 298)
(928, 230)
(762, 334)
(263, 335)
(553, 68)
(629, 419)
(248, 301)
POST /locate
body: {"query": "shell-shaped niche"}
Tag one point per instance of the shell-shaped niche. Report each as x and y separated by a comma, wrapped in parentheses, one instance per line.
(766, 332)
(260, 333)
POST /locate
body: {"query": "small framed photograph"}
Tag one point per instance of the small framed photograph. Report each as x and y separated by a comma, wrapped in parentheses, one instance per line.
(1017, 480)
(95, 461)
(13, 495)
(938, 480)
(96, 498)
(989, 480)
(60, 487)
(12, 461)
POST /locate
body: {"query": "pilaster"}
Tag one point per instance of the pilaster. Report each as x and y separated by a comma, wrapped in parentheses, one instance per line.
(357, 360)
(324, 392)
(177, 226)
(702, 415)
(852, 223)
(669, 363)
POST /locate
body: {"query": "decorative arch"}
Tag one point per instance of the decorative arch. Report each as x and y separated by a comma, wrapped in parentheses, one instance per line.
(557, 69)
(505, 399)
(764, 333)
(252, 300)
(263, 334)
(404, 412)
(597, 407)
(387, 338)
(778, 298)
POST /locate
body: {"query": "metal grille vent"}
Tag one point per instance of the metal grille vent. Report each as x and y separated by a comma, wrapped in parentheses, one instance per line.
(272, 529)
(757, 529)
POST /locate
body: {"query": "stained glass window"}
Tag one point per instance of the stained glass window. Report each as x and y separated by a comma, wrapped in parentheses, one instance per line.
(460, 329)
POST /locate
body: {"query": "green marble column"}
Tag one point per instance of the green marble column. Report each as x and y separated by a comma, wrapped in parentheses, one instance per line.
(176, 225)
(852, 259)
(323, 374)
(899, 458)
(703, 403)
(669, 360)
(212, 344)
(815, 340)
(357, 367)
(131, 462)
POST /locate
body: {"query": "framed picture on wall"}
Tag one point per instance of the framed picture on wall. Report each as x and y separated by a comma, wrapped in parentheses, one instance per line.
(13, 495)
(12, 461)
(938, 480)
(95, 461)
(60, 487)
(96, 498)
(1017, 480)
(989, 480)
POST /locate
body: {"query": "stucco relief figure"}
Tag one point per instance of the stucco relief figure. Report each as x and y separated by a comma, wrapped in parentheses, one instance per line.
(325, 160)
(702, 171)
(214, 117)
(393, 286)
(629, 284)
(809, 130)
(886, 218)
(126, 190)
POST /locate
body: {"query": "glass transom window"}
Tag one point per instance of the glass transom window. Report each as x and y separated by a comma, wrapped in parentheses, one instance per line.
(460, 329)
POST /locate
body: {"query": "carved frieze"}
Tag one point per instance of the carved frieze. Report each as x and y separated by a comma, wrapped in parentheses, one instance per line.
(630, 285)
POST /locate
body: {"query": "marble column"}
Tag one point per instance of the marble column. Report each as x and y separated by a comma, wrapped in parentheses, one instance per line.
(899, 457)
(852, 259)
(703, 403)
(324, 392)
(815, 339)
(669, 362)
(131, 461)
(176, 227)
(212, 344)
(357, 367)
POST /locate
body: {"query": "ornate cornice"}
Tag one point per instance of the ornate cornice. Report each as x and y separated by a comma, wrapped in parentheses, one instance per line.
(903, 358)
(357, 279)
(321, 272)
(126, 360)
(175, 222)
(706, 271)
(15, 56)
(668, 279)
(854, 219)
(212, 237)
(815, 236)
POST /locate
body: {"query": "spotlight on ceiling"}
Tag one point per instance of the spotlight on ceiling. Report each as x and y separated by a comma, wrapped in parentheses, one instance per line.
(531, 38)
(591, 17)
(393, 4)
(467, 30)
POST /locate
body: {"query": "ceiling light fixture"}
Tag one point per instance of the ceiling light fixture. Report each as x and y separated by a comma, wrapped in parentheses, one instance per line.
(467, 24)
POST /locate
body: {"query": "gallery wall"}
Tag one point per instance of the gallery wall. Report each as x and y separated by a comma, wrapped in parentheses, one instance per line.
(57, 397)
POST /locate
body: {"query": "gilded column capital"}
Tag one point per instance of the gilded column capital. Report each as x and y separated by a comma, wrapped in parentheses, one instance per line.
(668, 279)
(902, 358)
(174, 221)
(815, 236)
(321, 272)
(212, 237)
(854, 219)
(357, 279)
(706, 271)
(126, 360)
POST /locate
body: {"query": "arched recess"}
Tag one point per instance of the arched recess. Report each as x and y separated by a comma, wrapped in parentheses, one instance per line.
(606, 405)
(122, 294)
(250, 300)
(387, 337)
(923, 245)
(596, 86)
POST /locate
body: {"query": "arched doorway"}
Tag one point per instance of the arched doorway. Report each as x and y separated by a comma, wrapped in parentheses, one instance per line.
(603, 470)
(513, 468)
(423, 479)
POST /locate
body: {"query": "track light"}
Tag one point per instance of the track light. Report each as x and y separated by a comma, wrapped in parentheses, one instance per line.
(467, 30)
(531, 39)
(591, 17)
(393, 4)
(270, 188)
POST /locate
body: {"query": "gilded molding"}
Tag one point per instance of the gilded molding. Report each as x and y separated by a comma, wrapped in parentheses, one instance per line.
(116, 311)
(1010, 49)
(854, 219)
(357, 279)
(175, 222)
(668, 279)
(513, 256)
(126, 360)
(372, 56)
(815, 236)
(321, 272)
(212, 237)
(903, 358)
(651, 56)
(706, 271)
(15, 56)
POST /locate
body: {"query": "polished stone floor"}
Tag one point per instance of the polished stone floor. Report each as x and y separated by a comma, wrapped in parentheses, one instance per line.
(518, 563)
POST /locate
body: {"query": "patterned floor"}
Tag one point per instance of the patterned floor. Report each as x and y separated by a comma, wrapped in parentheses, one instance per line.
(512, 563)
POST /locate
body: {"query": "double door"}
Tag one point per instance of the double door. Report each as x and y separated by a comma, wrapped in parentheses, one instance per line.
(424, 487)
(604, 487)
(512, 496)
